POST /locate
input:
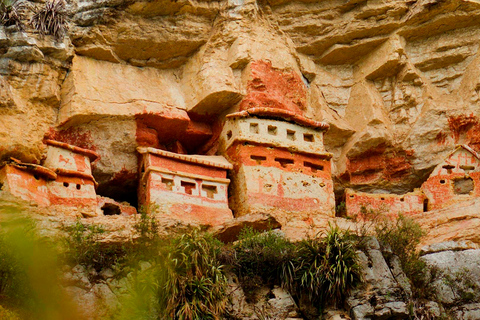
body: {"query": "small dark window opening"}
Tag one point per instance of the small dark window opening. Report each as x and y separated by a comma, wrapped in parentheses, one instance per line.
(65, 184)
(258, 159)
(79, 187)
(425, 205)
(142, 170)
(314, 167)
(36, 177)
(463, 186)
(352, 196)
(1, 186)
(442, 181)
(189, 186)
(402, 199)
(308, 137)
(110, 209)
(382, 198)
(254, 127)
(229, 134)
(168, 183)
(467, 168)
(283, 161)
(449, 168)
(272, 130)
(291, 135)
(210, 190)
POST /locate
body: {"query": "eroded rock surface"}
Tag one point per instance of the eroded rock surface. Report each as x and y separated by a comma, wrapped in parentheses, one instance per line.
(397, 81)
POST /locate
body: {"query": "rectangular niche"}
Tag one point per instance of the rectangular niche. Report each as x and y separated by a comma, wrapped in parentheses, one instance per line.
(210, 190)
(291, 135)
(254, 128)
(308, 137)
(272, 130)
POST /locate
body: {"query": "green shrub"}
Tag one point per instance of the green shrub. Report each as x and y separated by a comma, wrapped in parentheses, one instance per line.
(30, 273)
(83, 247)
(195, 284)
(326, 269)
(51, 19)
(148, 242)
(262, 258)
(323, 269)
(12, 277)
(11, 12)
(6, 314)
(184, 280)
(402, 236)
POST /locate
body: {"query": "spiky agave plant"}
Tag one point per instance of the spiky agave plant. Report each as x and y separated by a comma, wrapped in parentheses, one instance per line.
(327, 268)
(11, 12)
(51, 19)
(195, 285)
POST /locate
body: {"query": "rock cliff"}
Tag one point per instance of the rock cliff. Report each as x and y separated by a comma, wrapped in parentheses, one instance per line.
(396, 82)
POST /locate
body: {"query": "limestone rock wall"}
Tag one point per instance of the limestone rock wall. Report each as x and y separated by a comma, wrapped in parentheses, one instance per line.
(398, 81)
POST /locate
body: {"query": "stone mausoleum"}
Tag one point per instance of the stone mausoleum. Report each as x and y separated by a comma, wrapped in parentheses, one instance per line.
(456, 179)
(65, 179)
(280, 164)
(190, 188)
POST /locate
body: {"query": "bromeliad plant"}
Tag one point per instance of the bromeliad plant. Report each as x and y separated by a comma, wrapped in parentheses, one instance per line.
(328, 267)
(195, 282)
(51, 19)
(321, 269)
(11, 13)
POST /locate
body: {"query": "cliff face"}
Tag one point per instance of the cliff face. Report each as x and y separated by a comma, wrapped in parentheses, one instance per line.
(397, 81)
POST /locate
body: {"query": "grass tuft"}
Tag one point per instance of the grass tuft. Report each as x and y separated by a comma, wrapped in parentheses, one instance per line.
(51, 19)
(11, 13)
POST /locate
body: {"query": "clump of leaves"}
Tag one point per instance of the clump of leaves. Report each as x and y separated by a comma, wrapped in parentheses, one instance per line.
(29, 273)
(402, 236)
(322, 269)
(84, 248)
(148, 242)
(326, 268)
(6, 314)
(262, 258)
(11, 12)
(51, 19)
(194, 283)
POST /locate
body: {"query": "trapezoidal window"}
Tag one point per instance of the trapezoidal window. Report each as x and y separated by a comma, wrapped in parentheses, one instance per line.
(467, 168)
(308, 137)
(314, 167)
(272, 130)
(254, 127)
(449, 168)
(284, 161)
(168, 183)
(210, 190)
(258, 159)
(189, 186)
(463, 186)
(291, 135)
